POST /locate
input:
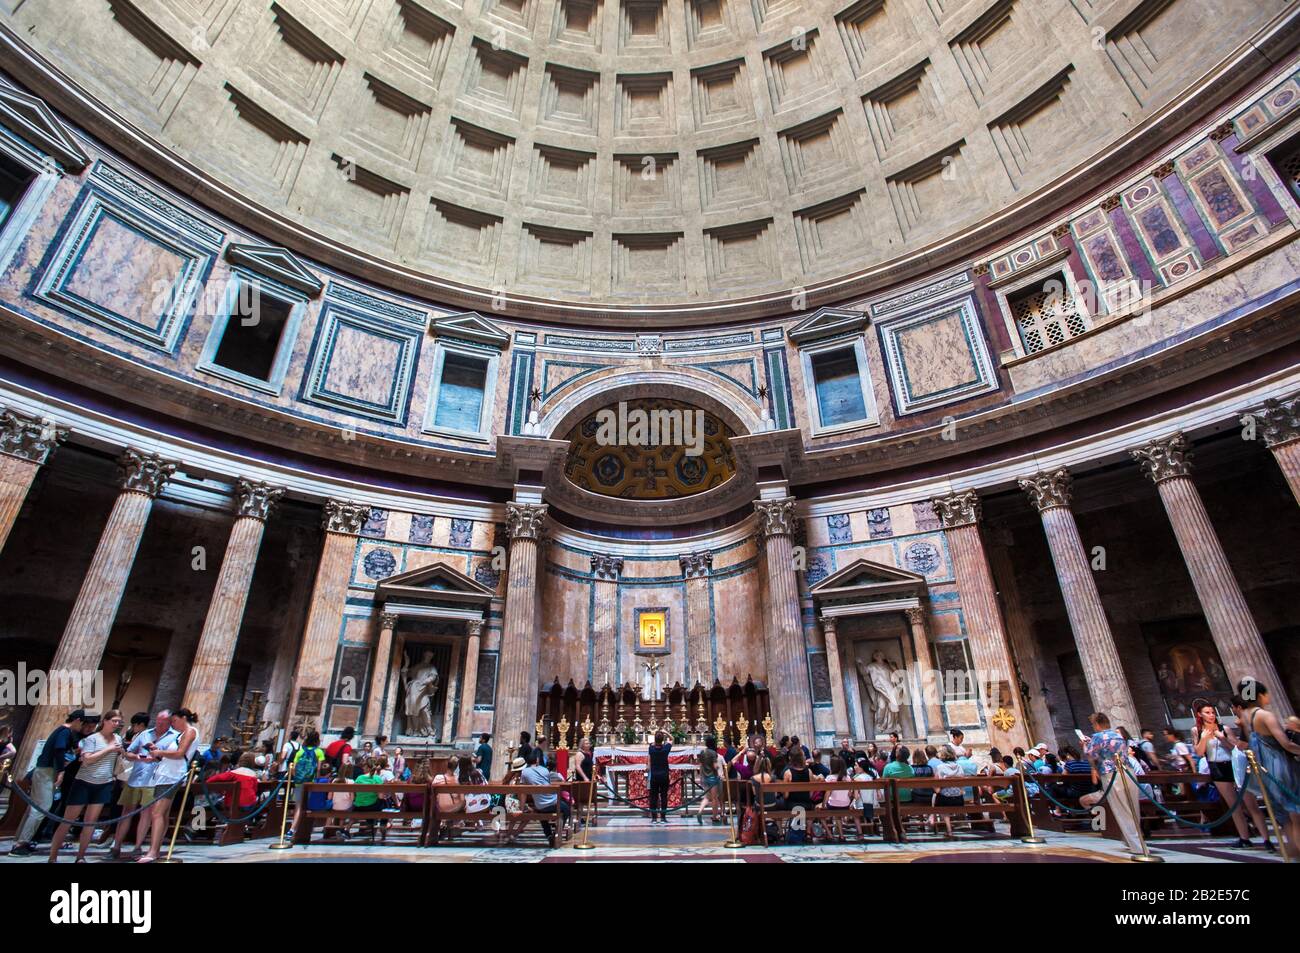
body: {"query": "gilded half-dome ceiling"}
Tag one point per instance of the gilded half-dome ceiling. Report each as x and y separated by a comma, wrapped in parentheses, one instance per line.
(650, 450)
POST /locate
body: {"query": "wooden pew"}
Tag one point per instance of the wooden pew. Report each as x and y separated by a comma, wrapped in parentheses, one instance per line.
(984, 804)
(516, 821)
(825, 815)
(302, 832)
(1155, 823)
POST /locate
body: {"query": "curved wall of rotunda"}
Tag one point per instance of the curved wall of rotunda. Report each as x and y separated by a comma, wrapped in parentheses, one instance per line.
(321, 304)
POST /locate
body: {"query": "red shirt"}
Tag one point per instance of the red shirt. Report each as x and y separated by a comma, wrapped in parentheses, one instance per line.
(336, 750)
(247, 786)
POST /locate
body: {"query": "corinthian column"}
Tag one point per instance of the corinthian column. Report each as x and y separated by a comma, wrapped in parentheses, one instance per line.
(989, 647)
(1281, 432)
(86, 634)
(469, 680)
(833, 668)
(605, 570)
(25, 444)
(342, 522)
(216, 648)
(1167, 463)
(1050, 495)
(382, 658)
(517, 679)
(696, 568)
(787, 663)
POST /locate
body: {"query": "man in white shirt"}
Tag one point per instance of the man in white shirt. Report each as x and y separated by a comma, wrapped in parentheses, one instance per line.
(138, 788)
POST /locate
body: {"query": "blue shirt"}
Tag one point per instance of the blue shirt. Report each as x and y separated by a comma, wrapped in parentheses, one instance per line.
(536, 774)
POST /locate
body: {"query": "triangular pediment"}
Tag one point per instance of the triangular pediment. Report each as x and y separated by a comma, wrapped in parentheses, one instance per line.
(471, 326)
(827, 322)
(437, 582)
(278, 264)
(29, 118)
(863, 579)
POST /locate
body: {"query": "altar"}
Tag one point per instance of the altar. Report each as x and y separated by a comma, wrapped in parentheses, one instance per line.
(626, 771)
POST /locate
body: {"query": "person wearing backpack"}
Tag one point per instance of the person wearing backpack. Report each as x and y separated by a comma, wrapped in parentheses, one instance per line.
(339, 751)
(305, 767)
(290, 751)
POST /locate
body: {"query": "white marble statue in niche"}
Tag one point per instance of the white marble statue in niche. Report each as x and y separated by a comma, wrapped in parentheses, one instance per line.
(419, 688)
(881, 700)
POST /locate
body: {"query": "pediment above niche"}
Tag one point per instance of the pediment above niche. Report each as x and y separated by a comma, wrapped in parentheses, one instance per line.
(34, 121)
(827, 322)
(278, 264)
(862, 579)
(436, 582)
(471, 326)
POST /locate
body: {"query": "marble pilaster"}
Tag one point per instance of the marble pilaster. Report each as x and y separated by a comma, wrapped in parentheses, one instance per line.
(696, 568)
(380, 660)
(1049, 493)
(1167, 463)
(342, 522)
(931, 685)
(835, 671)
(216, 649)
(787, 662)
(605, 570)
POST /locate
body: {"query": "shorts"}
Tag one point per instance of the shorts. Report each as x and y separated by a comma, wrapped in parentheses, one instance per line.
(165, 790)
(134, 797)
(90, 794)
(1222, 771)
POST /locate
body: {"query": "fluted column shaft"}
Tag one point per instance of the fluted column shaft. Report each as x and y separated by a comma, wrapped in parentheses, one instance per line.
(836, 673)
(787, 663)
(930, 686)
(307, 698)
(696, 568)
(382, 659)
(469, 681)
(1168, 464)
(1287, 456)
(604, 656)
(1097, 652)
(1279, 425)
(216, 649)
(25, 444)
(516, 681)
(86, 633)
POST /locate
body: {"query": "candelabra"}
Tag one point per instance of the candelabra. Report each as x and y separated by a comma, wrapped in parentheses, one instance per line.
(701, 726)
(620, 728)
(742, 729)
(637, 727)
(563, 726)
(587, 725)
(248, 723)
(720, 730)
(769, 736)
(603, 731)
(684, 720)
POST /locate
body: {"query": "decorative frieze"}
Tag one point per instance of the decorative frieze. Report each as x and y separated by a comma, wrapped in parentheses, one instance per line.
(696, 565)
(959, 509)
(145, 473)
(606, 567)
(1048, 490)
(525, 520)
(1280, 419)
(255, 498)
(28, 438)
(1165, 459)
(344, 516)
(775, 517)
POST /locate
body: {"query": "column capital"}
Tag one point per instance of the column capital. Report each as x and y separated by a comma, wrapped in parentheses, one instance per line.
(255, 499)
(525, 520)
(145, 473)
(775, 517)
(388, 620)
(828, 623)
(960, 509)
(1280, 419)
(1165, 459)
(1048, 489)
(605, 566)
(915, 615)
(344, 516)
(696, 565)
(28, 438)
(474, 628)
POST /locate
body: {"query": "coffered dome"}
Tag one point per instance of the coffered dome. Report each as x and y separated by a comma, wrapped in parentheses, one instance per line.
(689, 157)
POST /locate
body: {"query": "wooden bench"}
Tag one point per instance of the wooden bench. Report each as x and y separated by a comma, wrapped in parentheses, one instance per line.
(819, 814)
(985, 808)
(1155, 823)
(303, 830)
(512, 823)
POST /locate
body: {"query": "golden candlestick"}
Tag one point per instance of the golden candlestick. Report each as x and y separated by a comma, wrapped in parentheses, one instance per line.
(604, 730)
(563, 726)
(684, 721)
(720, 730)
(538, 730)
(638, 728)
(742, 729)
(587, 725)
(769, 726)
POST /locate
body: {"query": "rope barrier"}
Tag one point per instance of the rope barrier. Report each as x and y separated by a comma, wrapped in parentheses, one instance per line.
(99, 821)
(1241, 799)
(1042, 789)
(614, 796)
(270, 800)
(1271, 778)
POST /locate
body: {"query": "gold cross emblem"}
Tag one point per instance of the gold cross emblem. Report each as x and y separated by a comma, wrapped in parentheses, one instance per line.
(1003, 719)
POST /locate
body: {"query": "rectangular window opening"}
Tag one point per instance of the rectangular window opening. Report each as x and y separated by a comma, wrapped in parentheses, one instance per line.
(14, 180)
(1285, 160)
(460, 393)
(251, 339)
(839, 387)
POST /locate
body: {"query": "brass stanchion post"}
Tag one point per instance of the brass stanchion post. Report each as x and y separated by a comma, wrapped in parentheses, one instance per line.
(180, 815)
(1146, 857)
(1268, 805)
(282, 844)
(591, 806)
(1029, 817)
(728, 802)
